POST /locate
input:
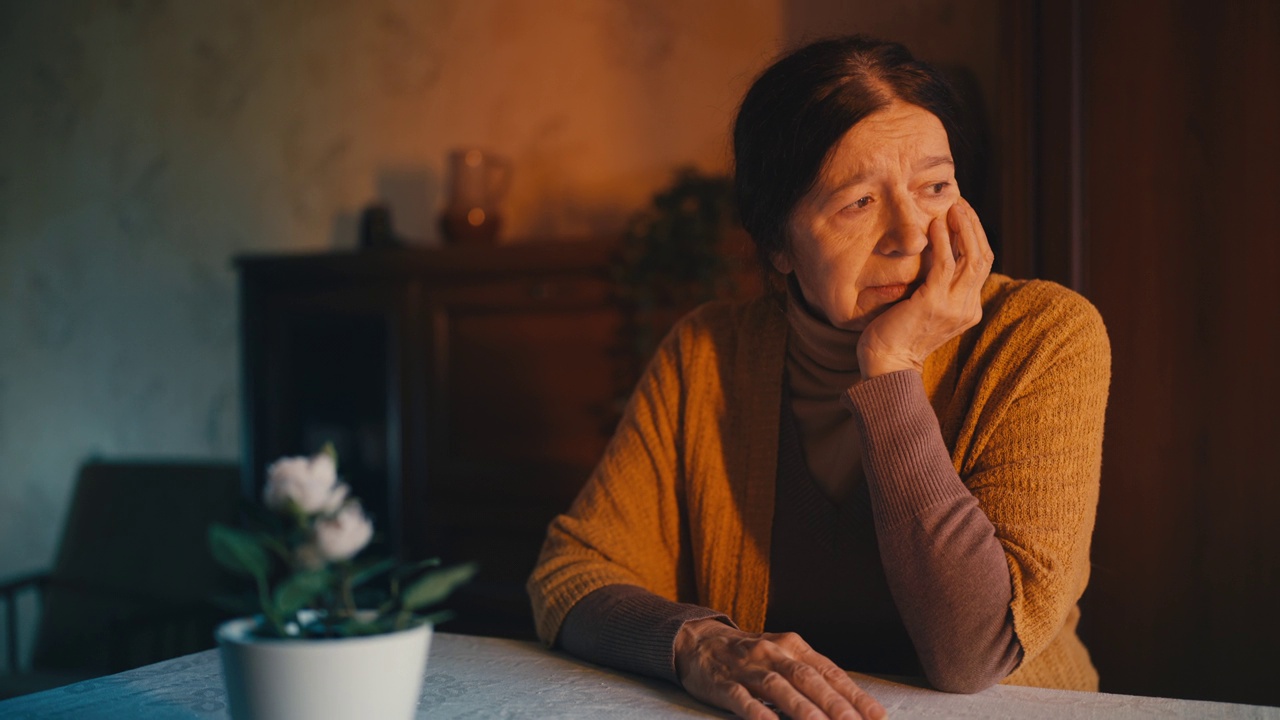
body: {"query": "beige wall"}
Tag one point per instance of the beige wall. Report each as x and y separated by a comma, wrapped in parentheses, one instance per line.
(145, 143)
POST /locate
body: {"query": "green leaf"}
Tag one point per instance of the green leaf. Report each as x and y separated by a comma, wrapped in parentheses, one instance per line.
(436, 586)
(371, 571)
(238, 551)
(355, 628)
(299, 589)
(331, 451)
(408, 570)
(437, 617)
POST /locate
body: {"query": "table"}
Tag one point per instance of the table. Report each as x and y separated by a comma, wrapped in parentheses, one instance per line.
(477, 677)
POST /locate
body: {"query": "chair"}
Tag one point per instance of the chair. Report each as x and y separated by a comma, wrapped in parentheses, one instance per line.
(133, 582)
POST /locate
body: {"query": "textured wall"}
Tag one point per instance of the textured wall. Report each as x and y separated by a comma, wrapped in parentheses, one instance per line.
(144, 143)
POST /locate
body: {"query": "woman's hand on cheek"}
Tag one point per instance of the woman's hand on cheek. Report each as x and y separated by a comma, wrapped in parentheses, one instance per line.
(945, 305)
(741, 671)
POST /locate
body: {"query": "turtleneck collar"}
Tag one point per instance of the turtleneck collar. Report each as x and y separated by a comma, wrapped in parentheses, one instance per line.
(822, 363)
(827, 352)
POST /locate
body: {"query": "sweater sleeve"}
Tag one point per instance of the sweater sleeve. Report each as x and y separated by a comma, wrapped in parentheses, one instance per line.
(630, 628)
(944, 566)
(625, 526)
(1027, 418)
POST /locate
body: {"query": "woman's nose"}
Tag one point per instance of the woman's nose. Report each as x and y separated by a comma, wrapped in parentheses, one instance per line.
(906, 230)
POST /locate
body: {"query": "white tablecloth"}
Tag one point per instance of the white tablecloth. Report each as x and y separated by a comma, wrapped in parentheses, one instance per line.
(473, 677)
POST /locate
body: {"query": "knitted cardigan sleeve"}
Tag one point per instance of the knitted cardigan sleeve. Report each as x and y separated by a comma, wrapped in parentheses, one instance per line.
(624, 527)
(1024, 415)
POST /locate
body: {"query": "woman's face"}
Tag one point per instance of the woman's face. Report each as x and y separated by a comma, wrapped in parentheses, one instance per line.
(857, 242)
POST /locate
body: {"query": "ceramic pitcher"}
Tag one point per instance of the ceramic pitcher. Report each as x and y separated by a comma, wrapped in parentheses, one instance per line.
(478, 181)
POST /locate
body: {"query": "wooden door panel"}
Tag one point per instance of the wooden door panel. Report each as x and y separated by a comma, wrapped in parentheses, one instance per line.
(1181, 114)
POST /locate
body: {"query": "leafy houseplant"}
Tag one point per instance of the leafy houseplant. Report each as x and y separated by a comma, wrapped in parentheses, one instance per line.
(672, 255)
(303, 557)
(329, 642)
(684, 249)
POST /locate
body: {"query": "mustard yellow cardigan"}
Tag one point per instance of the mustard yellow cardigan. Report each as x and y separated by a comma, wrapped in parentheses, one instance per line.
(682, 501)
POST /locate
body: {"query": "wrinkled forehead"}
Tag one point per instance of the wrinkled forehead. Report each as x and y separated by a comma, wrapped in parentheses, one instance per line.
(900, 139)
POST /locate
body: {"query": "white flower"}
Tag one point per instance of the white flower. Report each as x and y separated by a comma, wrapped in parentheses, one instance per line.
(342, 536)
(310, 484)
(335, 500)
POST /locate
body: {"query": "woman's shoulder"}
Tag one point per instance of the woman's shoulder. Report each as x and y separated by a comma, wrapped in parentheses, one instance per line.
(1038, 307)
(727, 322)
(727, 339)
(1032, 331)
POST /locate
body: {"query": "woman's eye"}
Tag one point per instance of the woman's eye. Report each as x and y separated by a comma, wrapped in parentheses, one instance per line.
(861, 202)
(939, 187)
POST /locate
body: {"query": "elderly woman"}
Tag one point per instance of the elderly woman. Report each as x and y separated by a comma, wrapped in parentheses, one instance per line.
(894, 469)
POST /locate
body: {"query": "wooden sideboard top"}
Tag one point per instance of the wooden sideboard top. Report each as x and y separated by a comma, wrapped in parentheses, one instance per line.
(522, 257)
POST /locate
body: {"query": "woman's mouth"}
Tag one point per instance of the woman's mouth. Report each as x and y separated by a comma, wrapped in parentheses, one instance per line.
(890, 293)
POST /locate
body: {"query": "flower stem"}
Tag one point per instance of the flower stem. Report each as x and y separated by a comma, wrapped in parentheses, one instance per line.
(348, 598)
(269, 609)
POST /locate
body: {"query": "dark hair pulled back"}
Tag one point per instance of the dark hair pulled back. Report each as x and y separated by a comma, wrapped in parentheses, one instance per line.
(799, 109)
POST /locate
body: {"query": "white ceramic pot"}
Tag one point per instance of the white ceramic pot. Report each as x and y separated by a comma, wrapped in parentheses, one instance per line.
(376, 676)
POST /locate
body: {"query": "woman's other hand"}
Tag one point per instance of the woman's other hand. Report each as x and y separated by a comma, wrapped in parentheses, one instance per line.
(741, 671)
(945, 305)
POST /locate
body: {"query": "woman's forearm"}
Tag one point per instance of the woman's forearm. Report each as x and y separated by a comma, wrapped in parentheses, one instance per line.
(946, 569)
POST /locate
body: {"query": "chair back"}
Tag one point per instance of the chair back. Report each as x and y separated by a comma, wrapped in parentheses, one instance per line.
(134, 580)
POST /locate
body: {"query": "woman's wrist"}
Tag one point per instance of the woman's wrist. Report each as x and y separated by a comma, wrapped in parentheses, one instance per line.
(690, 635)
(872, 365)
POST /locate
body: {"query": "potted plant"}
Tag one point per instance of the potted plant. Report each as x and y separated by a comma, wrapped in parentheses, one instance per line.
(684, 249)
(337, 635)
(673, 256)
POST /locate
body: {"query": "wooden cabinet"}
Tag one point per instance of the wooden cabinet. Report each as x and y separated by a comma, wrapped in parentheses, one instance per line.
(469, 391)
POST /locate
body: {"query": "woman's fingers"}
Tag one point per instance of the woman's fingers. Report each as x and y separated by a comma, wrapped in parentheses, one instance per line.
(956, 223)
(780, 687)
(944, 262)
(960, 221)
(819, 692)
(980, 234)
(973, 239)
(976, 262)
(817, 687)
(752, 675)
(863, 704)
(936, 297)
(739, 701)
